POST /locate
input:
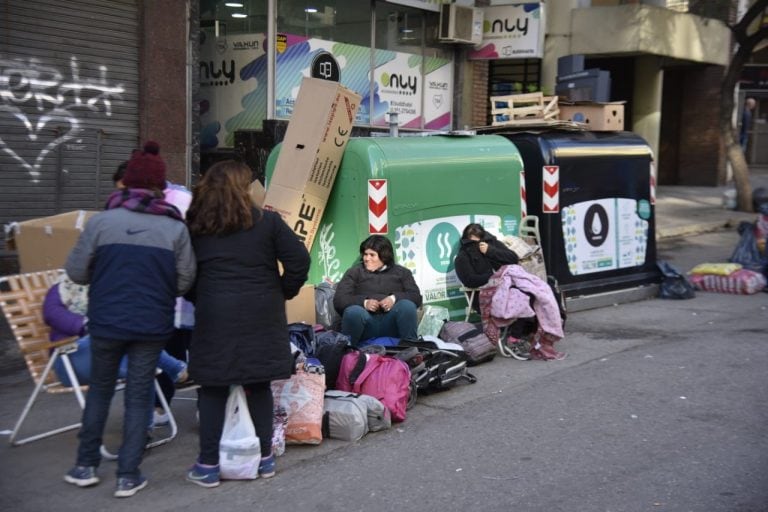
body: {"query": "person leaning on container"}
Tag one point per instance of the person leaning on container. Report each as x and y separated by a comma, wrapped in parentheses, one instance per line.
(480, 255)
(377, 297)
(241, 332)
(137, 257)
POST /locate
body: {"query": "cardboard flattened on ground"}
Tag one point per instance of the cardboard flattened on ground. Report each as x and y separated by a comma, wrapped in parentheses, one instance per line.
(606, 117)
(301, 308)
(310, 155)
(45, 243)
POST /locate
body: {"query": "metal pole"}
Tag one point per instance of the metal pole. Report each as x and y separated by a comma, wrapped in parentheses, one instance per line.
(393, 125)
(59, 171)
(99, 133)
(271, 57)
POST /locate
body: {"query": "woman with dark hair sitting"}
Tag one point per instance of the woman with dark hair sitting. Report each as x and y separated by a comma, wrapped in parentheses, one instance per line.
(480, 255)
(377, 297)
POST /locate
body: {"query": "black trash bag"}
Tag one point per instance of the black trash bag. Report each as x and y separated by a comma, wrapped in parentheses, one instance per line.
(746, 252)
(324, 310)
(674, 285)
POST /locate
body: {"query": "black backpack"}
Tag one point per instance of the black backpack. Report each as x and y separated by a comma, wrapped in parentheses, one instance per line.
(303, 336)
(432, 368)
(330, 349)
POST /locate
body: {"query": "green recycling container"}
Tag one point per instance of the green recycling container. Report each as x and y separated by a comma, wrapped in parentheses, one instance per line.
(420, 192)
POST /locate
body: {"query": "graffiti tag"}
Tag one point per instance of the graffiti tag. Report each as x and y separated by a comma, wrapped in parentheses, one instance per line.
(42, 99)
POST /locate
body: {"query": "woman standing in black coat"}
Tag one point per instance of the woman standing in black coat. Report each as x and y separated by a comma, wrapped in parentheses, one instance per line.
(241, 332)
(480, 255)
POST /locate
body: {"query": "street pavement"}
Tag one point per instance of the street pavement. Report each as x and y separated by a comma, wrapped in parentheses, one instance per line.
(659, 406)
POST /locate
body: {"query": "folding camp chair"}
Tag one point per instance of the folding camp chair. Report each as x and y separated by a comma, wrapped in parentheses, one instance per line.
(529, 229)
(21, 299)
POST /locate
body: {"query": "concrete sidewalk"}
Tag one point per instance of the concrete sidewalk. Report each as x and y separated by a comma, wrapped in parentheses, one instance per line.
(31, 475)
(684, 211)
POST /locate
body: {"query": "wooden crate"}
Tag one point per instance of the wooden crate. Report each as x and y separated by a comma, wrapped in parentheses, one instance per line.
(514, 108)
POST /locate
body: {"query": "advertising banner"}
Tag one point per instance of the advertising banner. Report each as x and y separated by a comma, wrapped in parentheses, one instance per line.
(606, 234)
(233, 86)
(428, 249)
(233, 83)
(511, 32)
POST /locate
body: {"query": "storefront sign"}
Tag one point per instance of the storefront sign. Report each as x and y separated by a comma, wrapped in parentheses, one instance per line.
(512, 32)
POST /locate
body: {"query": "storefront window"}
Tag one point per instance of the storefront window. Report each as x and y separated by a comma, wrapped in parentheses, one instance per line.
(233, 69)
(412, 74)
(346, 21)
(407, 71)
(329, 39)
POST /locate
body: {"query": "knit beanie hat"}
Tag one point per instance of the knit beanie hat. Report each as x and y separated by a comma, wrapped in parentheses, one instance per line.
(146, 169)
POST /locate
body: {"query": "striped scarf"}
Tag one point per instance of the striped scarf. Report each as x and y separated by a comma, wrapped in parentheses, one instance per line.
(142, 201)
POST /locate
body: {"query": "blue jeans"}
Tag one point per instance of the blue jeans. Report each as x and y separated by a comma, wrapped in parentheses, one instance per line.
(81, 364)
(399, 322)
(106, 355)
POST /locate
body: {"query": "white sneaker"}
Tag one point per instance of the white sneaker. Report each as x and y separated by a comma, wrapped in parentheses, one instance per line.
(160, 419)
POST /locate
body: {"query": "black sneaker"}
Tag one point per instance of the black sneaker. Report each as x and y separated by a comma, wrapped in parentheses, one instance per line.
(82, 476)
(517, 348)
(127, 487)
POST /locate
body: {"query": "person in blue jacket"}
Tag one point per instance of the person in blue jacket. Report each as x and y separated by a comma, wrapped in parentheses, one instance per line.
(137, 257)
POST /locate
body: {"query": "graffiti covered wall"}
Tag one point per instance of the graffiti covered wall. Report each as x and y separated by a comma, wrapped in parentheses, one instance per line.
(68, 104)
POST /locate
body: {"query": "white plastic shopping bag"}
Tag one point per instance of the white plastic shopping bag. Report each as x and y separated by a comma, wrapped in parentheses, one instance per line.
(239, 449)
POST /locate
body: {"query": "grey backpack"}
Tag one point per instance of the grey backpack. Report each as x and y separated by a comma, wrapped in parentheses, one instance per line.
(477, 346)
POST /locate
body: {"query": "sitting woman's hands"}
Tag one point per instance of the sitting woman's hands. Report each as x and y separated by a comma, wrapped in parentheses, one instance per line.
(483, 246)
(386, 303)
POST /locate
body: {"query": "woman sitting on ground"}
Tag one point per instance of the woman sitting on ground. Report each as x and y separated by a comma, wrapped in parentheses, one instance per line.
(377, 297)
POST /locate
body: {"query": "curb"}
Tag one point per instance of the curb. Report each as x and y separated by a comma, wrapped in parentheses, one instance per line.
(663, 233)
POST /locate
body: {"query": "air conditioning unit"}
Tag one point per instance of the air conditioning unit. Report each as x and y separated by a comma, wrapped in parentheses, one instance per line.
(459, 24)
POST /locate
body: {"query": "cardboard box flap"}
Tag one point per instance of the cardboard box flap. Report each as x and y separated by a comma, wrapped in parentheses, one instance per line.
(44, 243)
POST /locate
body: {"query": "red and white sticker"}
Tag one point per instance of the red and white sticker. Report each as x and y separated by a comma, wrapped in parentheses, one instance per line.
(653, 183)
(523, 200)
(377, 207)
(550, 189)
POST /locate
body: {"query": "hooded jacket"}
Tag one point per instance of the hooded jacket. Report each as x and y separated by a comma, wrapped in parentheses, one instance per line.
(473, 268)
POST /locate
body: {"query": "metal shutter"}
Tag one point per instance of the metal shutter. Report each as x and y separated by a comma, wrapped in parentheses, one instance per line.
(68, 103)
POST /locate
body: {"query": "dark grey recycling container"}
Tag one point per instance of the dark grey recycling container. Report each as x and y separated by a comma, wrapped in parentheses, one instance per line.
(602, 236)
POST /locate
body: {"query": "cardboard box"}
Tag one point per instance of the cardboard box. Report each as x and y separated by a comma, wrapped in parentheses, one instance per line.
(45, 243)
(600, 117)
(310, 155)
(301, 308)
(256, 192)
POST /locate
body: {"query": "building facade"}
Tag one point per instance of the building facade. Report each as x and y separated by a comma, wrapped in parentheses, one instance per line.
(83, 82)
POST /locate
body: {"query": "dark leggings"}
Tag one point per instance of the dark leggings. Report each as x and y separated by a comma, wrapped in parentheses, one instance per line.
(212, 403)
